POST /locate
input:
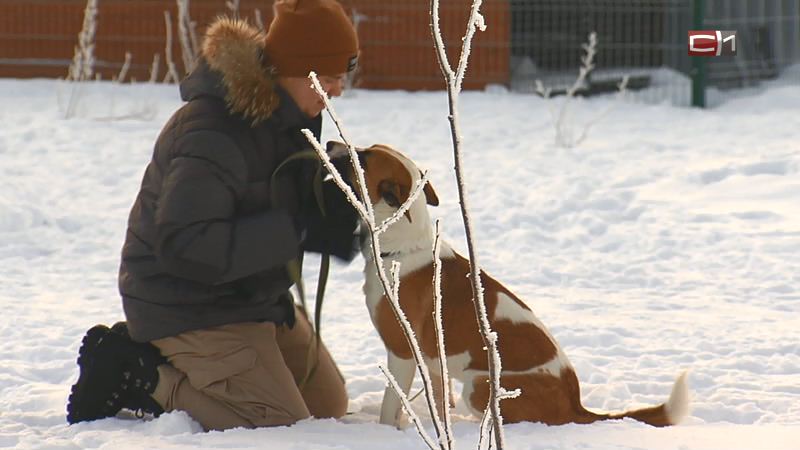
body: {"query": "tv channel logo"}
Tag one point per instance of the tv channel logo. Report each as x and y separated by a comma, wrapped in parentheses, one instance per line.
(712, 43)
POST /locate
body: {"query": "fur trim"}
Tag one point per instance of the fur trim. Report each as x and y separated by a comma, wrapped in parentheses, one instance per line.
(235, 49)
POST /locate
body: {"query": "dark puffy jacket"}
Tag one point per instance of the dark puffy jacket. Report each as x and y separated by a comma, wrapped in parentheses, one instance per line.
(205, 244)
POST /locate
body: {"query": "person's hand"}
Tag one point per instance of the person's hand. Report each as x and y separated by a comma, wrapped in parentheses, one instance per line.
(334, 232)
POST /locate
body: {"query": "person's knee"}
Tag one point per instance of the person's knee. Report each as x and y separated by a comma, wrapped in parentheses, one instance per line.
(332, 402)
(339, 404)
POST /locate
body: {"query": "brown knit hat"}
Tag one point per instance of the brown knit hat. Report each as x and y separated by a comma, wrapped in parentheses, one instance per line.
(308, 35)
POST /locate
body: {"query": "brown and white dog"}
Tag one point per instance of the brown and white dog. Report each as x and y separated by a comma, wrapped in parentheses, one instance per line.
(531, 358)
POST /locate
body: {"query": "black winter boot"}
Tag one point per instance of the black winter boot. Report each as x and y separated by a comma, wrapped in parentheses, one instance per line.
(140, 402)
(115, 373)
(121, 328)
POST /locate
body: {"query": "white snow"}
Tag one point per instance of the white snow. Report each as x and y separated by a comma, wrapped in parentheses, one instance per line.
(668, 240)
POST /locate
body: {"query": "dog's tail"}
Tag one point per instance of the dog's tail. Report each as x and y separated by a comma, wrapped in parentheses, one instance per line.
(672, 412)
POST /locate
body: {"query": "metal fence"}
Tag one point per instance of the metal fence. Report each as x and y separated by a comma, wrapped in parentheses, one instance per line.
(647, 39)
(768, 33)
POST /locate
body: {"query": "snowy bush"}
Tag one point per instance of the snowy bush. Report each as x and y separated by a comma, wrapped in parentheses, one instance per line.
(566, 132)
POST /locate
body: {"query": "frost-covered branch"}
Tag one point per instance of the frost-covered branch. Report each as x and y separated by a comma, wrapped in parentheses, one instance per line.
(192, 25)
(366, 211)
(186, 36)
(565, 137)
(390, 287)
(123, 71)
(485, 436)
(154, 67)
(233, 5)
(351, 78)
(86, 40)
(587, 65)
(337, 177)
(418, 187)
(453, 82)
(474, 23)
(441, 53)
(259, 21)
(439, 329)
(407, 407)
(82, 67)
(622, 87)
(543, 91)
(74, 71)
(172, 71)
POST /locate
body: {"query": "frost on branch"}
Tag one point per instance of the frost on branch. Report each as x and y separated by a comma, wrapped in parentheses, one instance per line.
(565, 133)
(390, 287)
(82, 67)
(453, 81)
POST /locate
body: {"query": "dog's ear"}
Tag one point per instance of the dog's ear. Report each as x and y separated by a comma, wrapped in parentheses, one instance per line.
(336, 149)
(430, 193)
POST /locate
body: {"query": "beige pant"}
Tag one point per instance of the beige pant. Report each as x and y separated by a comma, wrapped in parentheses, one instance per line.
(249, 375)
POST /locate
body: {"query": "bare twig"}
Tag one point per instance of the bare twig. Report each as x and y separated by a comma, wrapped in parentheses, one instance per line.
(564, 132)
(622, 87)
(186, 36)
(87, 38)
(407, 407)
(82, 67)
(172, 71)
(543, 91)
(154, 67)
(439, 328)
(194, 40)
(405, 206)
(233, 5)
(484, 437)
(454, 81)
(391, 288)
(337, 178)
(474, 23)
(75, 68)
(123, 72)
(351, 79)
(259, 20)
(587, 65)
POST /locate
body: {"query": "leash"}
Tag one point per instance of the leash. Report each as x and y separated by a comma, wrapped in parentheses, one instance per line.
(295, 266)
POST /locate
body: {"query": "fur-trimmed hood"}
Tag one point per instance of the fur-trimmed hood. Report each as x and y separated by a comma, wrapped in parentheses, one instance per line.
(232, 67)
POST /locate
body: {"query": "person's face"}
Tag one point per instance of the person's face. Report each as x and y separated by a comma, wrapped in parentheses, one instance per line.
(301, 90)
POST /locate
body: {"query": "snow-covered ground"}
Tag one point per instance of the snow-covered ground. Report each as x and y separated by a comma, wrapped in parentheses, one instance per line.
(667, 241)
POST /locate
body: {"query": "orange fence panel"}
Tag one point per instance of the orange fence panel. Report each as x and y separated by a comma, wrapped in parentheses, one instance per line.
(38, 37)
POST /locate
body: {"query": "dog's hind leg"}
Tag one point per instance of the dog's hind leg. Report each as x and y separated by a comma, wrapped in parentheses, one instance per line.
(403, 371)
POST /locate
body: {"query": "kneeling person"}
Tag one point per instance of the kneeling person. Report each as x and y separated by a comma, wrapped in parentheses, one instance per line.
(217, 233)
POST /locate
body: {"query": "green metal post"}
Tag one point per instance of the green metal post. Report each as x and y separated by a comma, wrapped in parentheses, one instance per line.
(698, 62)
